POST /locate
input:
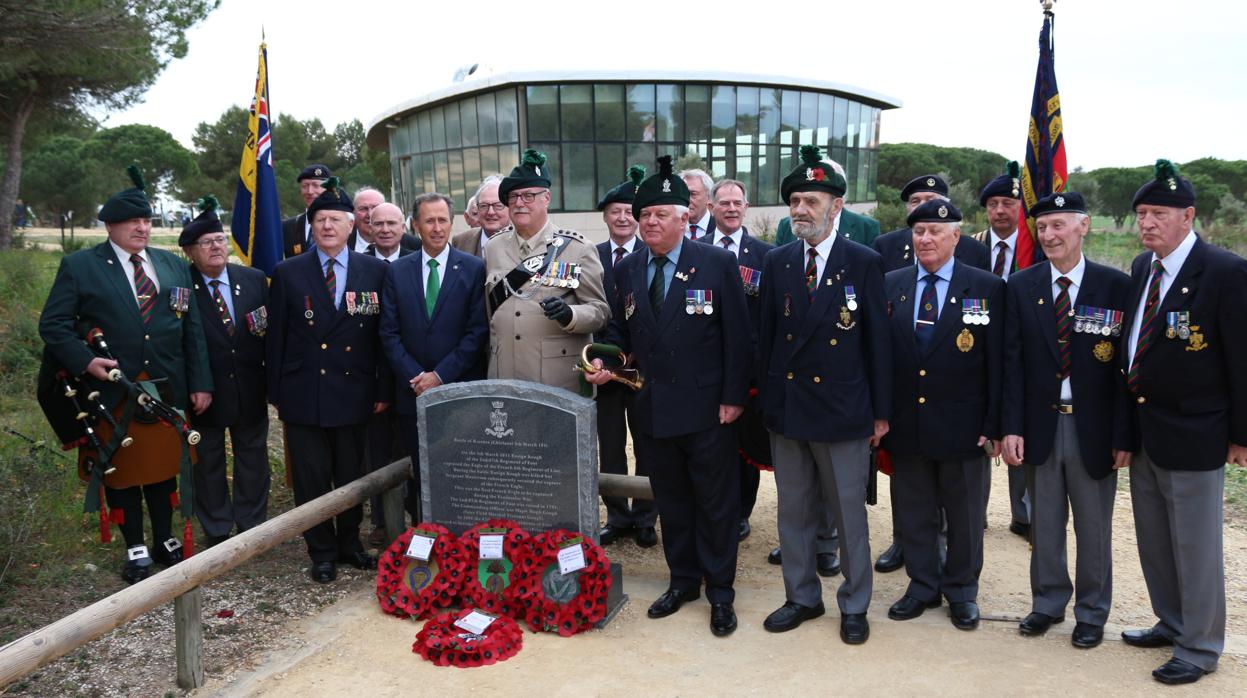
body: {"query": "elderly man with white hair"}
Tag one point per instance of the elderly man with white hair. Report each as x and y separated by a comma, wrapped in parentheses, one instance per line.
(947, 334)
(491, 217)
(701, 222)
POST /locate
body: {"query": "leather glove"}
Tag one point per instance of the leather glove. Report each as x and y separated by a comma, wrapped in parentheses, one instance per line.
(556, 309)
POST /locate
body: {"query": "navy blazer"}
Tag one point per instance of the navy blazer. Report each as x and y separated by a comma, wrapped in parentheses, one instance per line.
(945, 398)
(694, 363)
(237, 361)
(824, 379)
(752, 254)
(608, 260)
(294, 235)
(897, 249)
(327, 370)
(1192, 394)
(1032, 388)
(452, 342)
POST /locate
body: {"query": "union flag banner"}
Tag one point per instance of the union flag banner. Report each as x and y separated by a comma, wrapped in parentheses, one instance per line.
(1044, 169)
(256, 224)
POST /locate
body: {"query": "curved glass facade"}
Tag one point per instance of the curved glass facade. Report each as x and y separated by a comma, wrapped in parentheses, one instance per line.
(592, 131)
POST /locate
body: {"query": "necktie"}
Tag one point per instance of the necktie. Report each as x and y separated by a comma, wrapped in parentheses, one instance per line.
(331, 281)
(1147, 328)
(144, 289)
(1064, 318)
(999, 268)
(221, 308)
(811, 273)
(658, 286)
(371, 250)
(431, 288)
(692, 231)
(727, 243)
(619, 255)
(928, 312)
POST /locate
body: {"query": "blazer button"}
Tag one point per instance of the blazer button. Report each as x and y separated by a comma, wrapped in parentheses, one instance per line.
(817, 379)
(322, 372)
(148, 363)
(1054, 408)
(922, 372)
(922, 401)
(517, 313)
(834, 342)
(1058, 375)
(790, 338)
(348, 348)
(325, 346)
(790, 375)
(517, 337)
(147, 337)
(231, 375)
(1141, 400)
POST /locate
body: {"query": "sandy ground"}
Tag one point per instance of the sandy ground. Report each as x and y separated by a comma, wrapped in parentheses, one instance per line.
(352, 646)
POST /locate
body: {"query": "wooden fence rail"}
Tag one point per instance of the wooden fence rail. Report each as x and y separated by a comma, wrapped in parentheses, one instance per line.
(181, 582)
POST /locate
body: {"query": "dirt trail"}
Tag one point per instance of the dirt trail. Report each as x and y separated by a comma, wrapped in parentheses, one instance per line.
(352, 646)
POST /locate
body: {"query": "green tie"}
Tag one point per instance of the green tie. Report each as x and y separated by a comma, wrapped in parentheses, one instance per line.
(431, 289)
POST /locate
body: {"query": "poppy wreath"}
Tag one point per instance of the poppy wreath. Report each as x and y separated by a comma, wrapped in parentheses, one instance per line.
(554, 602)
(445, 644)
(488, 584)
(410, 587)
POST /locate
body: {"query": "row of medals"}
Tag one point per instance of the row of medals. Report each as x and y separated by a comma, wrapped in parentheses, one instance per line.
(1097, 323)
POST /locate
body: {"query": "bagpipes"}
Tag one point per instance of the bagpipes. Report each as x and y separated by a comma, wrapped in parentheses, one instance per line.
(130, 443)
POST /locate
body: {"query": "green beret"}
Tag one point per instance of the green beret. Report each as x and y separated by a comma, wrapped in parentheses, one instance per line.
(531, 172)
(665, 187)
(206, 222)
(624, 193)
(1166, 188)
(128, 203)
(812, 175)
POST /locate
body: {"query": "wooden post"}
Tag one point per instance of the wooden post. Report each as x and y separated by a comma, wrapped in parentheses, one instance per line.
(630, 486)
(395, 513)
(189, 638)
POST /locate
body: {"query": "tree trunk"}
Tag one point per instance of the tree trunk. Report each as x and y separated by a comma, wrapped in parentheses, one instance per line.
(13, 168)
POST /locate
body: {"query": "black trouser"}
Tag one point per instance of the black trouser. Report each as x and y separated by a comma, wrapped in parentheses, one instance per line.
(385, 445)
(697, 487)
(322, 459)
(922, 487)
(129, 500)
(411, 436)
(216, 512)
(614, 422)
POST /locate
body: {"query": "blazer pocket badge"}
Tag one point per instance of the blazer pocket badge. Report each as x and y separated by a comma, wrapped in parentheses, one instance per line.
(179, 300)
(1197, 342)
(846, 319)
(1103, 350)
(965, 341)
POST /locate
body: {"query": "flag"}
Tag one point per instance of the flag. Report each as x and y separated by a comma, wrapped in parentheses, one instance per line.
(256, 224)
(1044, 169)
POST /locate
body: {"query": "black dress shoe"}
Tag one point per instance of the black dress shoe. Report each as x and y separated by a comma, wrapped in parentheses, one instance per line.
(965, 615)
(324, 572)
(646, 537)
(1148, 637)
(1018, 528)
(854, 628)
(359, 559)
(611, 533)
(134, 571)
(745, 530)
(168, 553)
(1178, 671)
(791, 615)
(891, 560)
(776, 556)
(1087, 635)
(670, 602)
(722, 619)
(909, 607)
(828, 564)
(1036, 624)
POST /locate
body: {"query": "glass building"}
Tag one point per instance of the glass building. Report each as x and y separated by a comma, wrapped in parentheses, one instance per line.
(593, 124)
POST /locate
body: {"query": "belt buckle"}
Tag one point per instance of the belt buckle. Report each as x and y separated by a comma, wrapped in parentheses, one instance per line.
(1065, 408)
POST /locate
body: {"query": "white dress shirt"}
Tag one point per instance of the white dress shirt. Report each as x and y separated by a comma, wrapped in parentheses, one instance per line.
(627, 247)
(702, 226)
(441, 267)
(1075, 278)
(823, 249)
(736, 237)
(128, 268)
(1172, 264)
(361, 245)
(1010, 242)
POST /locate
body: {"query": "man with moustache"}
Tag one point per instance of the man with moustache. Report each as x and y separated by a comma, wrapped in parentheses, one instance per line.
(296, 232)
(326, 372)
(1183, 336)
(730, 203)
(1066, 415)
(854, 226)
(679, 314)
(825, 371)
(616, 418)
(233, 306)
(700, 217)
(899, 252)
(543, 286)
(433, 323)
(491, 215)
(1002, 199)
(947, 335)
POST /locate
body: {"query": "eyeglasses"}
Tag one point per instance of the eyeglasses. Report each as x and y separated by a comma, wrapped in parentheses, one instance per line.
(209, 243)
(527, 197)
(499, 206)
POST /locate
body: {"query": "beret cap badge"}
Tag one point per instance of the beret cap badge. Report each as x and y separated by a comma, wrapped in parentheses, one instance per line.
(1059, 201)
(943, 211)
(930, 181)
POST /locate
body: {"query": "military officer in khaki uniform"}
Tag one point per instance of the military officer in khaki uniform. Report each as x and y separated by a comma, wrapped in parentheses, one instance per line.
(543, 286)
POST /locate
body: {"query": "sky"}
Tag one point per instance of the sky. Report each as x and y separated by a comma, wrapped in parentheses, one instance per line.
(1138, 80)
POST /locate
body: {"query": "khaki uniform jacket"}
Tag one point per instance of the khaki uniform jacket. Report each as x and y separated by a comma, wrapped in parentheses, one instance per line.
(523, 343)
(468, 241)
